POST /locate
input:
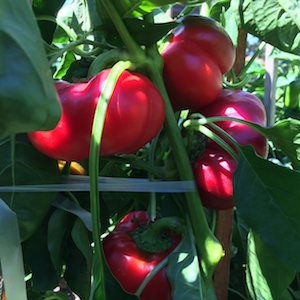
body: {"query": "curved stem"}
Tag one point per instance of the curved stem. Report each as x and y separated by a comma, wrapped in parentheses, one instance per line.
(260, 49)
(72, 46)
(98, 124)
(206, 131)
(70, 33)
(203, 121)
(129, 42)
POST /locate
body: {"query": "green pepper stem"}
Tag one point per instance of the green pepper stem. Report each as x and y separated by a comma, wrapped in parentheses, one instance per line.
(98, 124)
(129, 42)
(211, 120)
(209, 249)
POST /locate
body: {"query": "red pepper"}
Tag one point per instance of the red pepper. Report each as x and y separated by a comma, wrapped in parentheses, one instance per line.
(214, 169)
(213, 172)
(130, 264)
(135, 114)
(241, 105)
(194, 61)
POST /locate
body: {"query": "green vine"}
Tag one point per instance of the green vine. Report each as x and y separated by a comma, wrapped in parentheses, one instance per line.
(98, 124)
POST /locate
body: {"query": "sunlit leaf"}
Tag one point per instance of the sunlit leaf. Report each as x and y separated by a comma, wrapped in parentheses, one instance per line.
(267, 276)
(267, 199)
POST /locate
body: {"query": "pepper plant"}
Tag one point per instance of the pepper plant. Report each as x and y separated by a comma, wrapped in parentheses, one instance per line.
(135, 158)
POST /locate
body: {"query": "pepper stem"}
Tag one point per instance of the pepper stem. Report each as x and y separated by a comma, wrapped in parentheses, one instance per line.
(156, 237)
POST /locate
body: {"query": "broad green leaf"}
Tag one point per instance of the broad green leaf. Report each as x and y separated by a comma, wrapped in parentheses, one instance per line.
(50, 295)
(136, 8)
(267, 276)
(143, 32)
(22, 164)
(217, 8)
(275, 21)
(82, 240)
(286, 135)
(146, 33)
(77, 274)
(28, 99)
(38, 261)
(59, 225)
(267, 199)
(75, 209)
(11, 259)
(183, 272)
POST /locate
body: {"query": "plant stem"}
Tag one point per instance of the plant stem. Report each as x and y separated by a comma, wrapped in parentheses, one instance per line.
(130, 43)
(152, 204)
(98, 125)
(211, 120)
(209, 249)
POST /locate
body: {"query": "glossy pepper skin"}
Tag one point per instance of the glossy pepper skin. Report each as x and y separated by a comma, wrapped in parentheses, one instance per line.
(241, 105)
(214, 169)
(199, 52)
(130, 265)
(213, 173)
(135, 114)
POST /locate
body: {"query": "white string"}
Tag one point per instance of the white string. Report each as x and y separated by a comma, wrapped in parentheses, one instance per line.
(112, 184)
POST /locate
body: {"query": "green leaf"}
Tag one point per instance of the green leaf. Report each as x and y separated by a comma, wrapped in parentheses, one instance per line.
(143, 32)
(28, 99)
(11, 254)
(59, 223)
(267, 276)
(75, 14)
(275, 21)
(286, 135)
(22, 164)
(183, 272)
(38, 261)
(217, 7)
(77, 275)
(267, 199)
(82, 240)
(147, 33)
(75, 209)
(49, 8)
(64, 65)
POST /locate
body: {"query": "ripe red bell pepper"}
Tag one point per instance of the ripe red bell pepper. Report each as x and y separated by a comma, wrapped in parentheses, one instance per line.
(130, 265)
(241, 105)
(135, 114)
(214, 169)
(198, 54)
(213, 172)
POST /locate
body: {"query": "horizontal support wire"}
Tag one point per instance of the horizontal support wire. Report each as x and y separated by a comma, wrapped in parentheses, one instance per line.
(75, 183)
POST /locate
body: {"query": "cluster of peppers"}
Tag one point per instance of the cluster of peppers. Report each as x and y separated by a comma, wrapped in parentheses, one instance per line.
(198, 55)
